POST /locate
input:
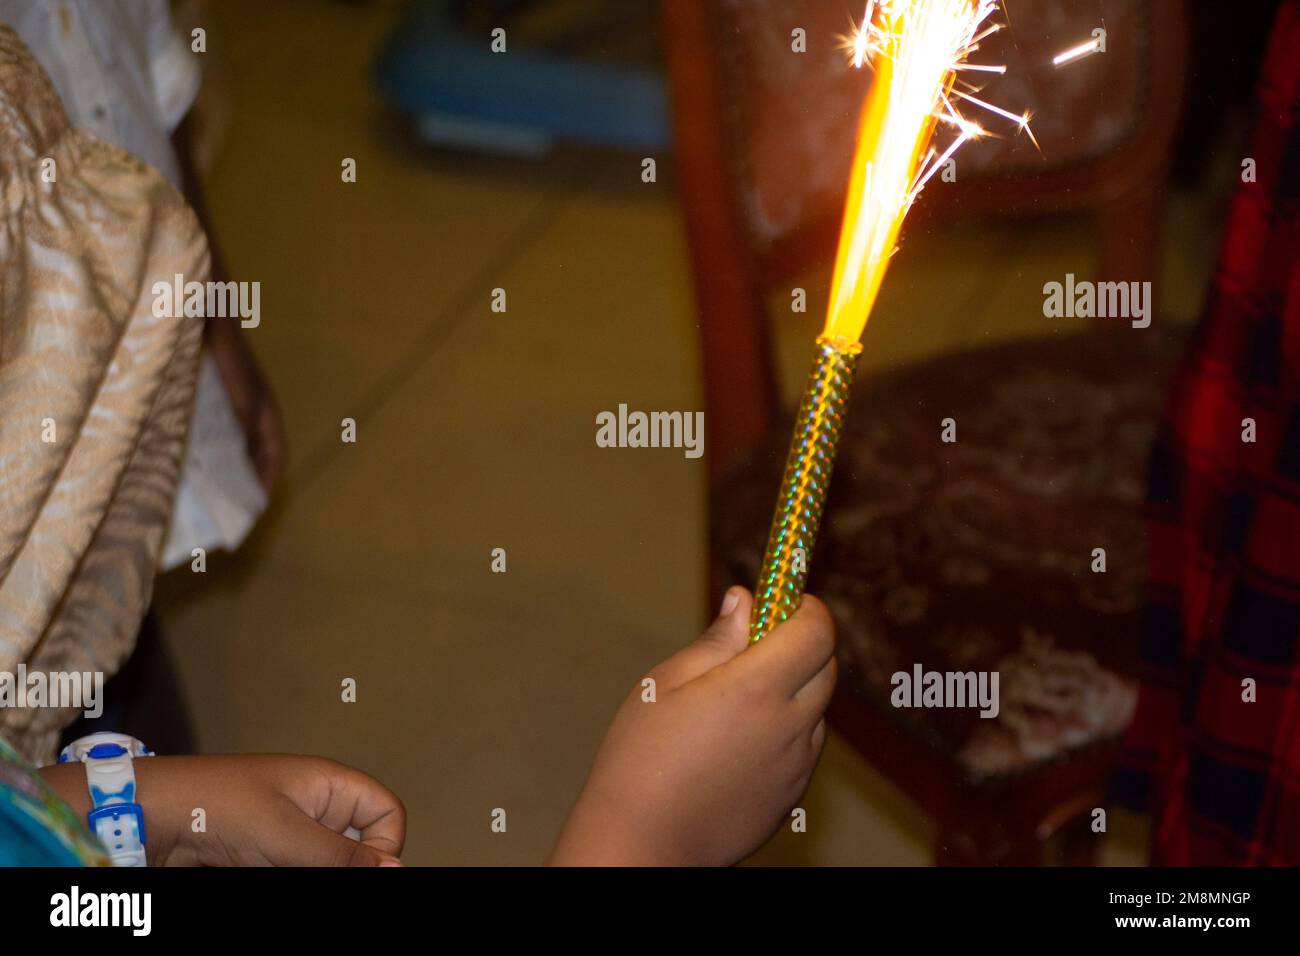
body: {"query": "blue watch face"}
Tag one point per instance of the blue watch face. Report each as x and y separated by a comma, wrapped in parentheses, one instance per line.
(102, 751)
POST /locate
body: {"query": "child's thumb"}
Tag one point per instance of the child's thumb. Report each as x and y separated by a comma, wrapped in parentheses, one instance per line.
(726, 637)
(729, 632)
(315, 844)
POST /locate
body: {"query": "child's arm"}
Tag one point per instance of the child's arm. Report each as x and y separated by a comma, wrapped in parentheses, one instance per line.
(706, 773)
(251, 396)
(259, 809)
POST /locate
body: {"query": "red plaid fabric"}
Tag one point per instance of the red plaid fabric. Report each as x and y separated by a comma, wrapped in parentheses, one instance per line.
(1220, 775)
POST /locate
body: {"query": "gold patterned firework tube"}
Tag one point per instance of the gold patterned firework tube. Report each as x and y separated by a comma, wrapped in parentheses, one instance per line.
(804, 485)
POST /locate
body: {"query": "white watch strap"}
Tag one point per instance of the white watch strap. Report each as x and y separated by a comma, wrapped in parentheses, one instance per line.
(116, 816)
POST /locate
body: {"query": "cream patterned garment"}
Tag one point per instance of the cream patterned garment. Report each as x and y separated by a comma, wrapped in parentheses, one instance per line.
(82, 517)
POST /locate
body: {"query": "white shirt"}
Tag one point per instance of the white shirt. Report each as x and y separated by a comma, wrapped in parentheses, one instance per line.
(127, 77)
(121, 70)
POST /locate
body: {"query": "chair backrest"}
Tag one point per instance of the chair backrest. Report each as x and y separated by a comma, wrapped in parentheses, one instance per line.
(764, 137)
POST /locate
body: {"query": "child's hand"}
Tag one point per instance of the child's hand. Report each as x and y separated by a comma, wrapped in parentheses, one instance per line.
(258, 809)
(707, 772)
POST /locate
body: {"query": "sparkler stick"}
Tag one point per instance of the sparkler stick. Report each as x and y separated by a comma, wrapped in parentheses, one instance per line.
(916, 48)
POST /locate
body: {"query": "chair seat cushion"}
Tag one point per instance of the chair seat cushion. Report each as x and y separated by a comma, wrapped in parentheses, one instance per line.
(978, 554)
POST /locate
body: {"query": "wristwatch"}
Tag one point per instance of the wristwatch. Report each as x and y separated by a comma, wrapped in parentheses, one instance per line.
(115, 816)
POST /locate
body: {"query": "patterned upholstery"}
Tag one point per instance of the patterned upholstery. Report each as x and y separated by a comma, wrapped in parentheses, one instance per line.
(976, 555)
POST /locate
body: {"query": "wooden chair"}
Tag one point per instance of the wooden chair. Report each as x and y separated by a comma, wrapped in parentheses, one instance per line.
(973, 555)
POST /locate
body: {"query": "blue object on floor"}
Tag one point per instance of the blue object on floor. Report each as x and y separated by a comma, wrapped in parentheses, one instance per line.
(520, 102)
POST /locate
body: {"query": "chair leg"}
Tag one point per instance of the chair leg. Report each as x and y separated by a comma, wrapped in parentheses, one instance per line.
(1079, 845)
(981, 840)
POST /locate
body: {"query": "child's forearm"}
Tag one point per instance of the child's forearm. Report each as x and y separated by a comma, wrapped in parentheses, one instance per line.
(594, 838)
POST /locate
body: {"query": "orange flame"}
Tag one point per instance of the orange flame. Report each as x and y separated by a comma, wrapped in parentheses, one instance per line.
(916, 48)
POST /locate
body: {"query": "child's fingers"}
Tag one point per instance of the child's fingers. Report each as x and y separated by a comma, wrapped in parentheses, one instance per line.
(725, 638)
(375, 810)
(381, 818)
(796, 650)
(818, 739)
(304, 842)
(814, 697)
(352, 799)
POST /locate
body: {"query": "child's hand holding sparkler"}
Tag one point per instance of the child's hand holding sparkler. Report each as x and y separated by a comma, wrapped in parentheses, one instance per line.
(706, 773)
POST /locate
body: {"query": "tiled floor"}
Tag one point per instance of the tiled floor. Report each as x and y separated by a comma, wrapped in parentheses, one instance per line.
(475, 431)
